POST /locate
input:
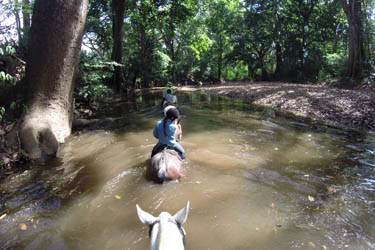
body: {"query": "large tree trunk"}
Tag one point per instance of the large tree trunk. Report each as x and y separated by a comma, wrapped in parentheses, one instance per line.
(279, 59)
(54, 48)
(356, 58)
(118, 14)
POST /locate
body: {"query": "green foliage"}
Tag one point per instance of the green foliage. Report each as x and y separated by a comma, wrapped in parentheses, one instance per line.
(2, 112)
(94, 74)
(164, 60)
(7, 80)
(9, 50)
(335, 65)
(234, 72)
(24, 154)
(5, 77)
(243, 39)
(94, 91)
(13, 105)
(25, 109)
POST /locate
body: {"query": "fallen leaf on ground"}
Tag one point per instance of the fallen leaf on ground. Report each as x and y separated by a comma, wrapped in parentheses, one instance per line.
(23, 226)
(312, 244)
(311, 198)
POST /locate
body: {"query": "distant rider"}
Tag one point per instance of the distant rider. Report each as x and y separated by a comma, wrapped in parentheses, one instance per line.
(168, 86)
(169, 99)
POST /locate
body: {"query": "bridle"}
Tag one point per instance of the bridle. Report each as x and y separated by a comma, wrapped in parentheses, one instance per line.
(179, 226)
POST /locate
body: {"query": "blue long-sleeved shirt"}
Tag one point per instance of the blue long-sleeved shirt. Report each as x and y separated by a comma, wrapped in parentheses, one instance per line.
(170, 129)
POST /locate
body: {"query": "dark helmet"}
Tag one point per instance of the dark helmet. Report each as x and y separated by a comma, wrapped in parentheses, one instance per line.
(173, 113)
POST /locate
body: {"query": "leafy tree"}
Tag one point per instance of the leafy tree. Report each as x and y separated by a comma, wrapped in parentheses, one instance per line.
(8, 74)
(309, 25)
(259, 35)
(16, 23)
(93, 75)
(171, 17)
(144, 37)
(98, 29)
(219, 16)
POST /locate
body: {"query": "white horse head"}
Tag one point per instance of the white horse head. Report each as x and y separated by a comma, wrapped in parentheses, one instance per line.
(165, 109)
(166, 232)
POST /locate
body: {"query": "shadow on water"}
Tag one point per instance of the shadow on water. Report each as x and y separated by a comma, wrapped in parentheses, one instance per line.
(255, 180)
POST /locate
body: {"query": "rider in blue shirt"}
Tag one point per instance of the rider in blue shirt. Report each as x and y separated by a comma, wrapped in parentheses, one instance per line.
(164, 131)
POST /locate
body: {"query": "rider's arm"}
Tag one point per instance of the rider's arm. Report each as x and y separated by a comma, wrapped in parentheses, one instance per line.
(172, 129)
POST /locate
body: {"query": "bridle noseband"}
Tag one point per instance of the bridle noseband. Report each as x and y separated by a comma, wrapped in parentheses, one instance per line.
(179, 226)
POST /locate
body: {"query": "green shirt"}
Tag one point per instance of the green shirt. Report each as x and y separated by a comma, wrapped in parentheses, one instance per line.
(165, 91)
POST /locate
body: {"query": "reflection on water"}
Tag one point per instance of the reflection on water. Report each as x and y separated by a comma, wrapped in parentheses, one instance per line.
(254, 181)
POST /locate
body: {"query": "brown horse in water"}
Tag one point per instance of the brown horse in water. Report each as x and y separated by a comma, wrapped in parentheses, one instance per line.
(167, 164)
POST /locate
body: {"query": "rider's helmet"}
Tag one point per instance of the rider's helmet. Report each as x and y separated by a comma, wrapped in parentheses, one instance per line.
(173, 113)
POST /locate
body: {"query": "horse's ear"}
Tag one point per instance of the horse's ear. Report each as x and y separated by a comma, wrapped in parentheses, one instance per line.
(145, 217)
(181, 216)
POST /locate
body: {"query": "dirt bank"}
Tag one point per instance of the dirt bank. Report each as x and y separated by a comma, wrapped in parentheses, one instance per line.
(354, 109)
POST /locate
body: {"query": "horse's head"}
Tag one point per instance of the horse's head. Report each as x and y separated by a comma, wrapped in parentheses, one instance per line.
(166, 232)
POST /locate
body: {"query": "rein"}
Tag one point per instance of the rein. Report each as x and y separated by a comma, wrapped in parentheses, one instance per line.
(179, 226)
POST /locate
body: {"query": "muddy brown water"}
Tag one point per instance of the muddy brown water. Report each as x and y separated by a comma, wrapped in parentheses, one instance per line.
(254, 181)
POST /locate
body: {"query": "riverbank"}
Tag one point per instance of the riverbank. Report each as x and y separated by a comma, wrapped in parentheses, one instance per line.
(353, 109)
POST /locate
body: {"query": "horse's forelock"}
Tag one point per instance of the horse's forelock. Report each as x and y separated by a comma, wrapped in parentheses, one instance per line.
(167, 233)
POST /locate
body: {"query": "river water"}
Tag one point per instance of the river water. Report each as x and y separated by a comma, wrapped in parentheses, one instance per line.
(254, 179)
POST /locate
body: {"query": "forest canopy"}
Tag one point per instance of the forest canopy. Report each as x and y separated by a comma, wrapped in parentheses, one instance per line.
(138, 44)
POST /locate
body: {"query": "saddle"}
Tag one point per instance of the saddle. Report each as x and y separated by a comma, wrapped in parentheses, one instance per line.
(160, 148)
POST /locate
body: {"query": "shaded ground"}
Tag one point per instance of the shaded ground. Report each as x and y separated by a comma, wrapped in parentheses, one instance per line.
(354, 109)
